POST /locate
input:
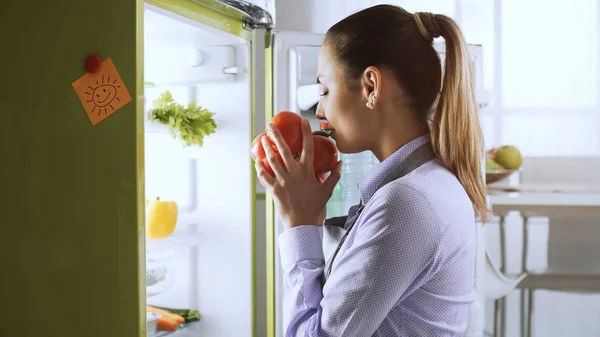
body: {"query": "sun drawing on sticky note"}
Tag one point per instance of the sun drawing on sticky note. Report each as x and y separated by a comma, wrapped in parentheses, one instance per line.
(103, 94)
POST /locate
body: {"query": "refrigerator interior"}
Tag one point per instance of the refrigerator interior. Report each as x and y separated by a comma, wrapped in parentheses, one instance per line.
(206, 264)
(295, 72)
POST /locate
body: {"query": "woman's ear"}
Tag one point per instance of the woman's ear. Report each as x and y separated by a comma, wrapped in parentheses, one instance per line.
(371, 86)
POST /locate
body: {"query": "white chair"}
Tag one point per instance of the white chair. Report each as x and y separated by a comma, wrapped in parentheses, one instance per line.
(497, 284)
(573, 261)
(573, 249)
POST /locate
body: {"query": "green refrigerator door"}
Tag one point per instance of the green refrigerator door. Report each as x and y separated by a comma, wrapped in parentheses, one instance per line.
(72, 176)
(71, 237)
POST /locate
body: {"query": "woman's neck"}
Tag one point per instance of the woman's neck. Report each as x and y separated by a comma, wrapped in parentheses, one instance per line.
(395, 135)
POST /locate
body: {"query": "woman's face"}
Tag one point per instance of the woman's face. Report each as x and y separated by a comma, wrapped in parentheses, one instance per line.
(342, 104)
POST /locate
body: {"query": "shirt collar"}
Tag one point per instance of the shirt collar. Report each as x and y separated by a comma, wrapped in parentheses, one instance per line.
(373, 179)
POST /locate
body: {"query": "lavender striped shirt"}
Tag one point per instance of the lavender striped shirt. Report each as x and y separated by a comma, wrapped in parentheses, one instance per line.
(406, 268)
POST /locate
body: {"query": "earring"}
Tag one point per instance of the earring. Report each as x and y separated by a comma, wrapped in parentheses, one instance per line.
(371, 102)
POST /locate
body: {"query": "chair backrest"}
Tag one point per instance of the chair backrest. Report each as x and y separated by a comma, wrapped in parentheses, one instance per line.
(574, 243)
(573, 239)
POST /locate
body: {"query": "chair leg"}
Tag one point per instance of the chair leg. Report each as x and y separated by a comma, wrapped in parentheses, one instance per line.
(524, 306)
(529, 312)
(500, 317)
(525, 303)
(502, 301)
(502, 227)
(497, 318)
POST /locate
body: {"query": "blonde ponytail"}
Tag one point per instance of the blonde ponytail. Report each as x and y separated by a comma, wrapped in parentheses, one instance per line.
(455, 130)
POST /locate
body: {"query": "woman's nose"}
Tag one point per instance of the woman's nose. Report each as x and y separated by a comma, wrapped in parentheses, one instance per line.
(319, 112)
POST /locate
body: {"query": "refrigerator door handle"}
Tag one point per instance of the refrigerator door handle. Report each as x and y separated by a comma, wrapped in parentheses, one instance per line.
(252, 15)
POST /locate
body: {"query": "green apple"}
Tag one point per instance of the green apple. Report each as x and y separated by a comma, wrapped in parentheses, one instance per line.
(491, 165)
(509, 157)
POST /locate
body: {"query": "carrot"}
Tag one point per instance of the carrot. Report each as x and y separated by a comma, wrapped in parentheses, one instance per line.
(176, 318)
(166, 324)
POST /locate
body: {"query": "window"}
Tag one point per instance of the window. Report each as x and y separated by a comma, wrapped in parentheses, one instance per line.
(549, 53)
(541, 64)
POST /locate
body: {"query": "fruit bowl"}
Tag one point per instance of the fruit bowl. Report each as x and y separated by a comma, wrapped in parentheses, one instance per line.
(494, 176)
(501, 162)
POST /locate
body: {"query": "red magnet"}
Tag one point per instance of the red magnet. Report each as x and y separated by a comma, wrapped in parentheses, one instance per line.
(93, 64)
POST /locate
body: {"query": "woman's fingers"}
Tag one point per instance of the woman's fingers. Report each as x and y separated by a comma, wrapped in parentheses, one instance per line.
(307, 145)
(273, 158)
(333, 178)
(320, 178)
(282, 148)
(265, 178)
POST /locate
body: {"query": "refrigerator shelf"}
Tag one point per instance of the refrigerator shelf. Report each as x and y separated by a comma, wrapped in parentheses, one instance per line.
(174, 241)
(161, 270)
(185, 330)
(156, 128)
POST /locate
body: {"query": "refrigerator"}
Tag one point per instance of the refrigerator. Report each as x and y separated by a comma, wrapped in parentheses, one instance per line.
(83, 159)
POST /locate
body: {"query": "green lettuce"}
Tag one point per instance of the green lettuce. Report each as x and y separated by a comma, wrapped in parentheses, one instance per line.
(190, 124)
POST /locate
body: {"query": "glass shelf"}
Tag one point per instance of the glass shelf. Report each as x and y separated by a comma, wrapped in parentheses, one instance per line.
(174, 241)
(185, 330)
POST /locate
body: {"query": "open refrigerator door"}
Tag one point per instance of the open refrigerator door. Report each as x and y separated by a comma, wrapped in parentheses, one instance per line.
(295, 56)
(202, 68)
(91, 146)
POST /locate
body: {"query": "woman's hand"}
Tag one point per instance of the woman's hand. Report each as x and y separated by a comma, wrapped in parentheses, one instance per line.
(322, 216)
(300, 197)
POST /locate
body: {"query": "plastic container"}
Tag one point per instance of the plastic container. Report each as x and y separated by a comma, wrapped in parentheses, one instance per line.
(356, 167)
(352, 174)
(161, 267)
(373, 162)
(335, 205)
(151, 323)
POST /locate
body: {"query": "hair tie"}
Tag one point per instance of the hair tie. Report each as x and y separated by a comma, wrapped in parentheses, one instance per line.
(427, 25)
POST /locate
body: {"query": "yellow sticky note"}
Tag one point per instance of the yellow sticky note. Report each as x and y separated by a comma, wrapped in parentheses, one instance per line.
(102, 93)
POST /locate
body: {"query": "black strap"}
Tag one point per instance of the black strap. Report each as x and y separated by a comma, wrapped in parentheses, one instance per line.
(417, 158)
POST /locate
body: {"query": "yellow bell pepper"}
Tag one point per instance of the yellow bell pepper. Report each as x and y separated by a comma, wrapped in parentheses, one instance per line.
(161, 218)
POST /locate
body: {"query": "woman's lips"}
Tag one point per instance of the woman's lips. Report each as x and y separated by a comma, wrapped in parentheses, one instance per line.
(321, 133)
(325, 130)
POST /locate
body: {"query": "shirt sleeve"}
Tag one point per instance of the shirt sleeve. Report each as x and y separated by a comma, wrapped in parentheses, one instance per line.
(396, 245)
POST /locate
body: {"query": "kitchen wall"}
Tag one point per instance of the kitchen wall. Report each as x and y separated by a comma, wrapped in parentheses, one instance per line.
(542, 63)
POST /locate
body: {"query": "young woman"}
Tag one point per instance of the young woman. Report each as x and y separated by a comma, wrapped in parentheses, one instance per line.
(405, 264)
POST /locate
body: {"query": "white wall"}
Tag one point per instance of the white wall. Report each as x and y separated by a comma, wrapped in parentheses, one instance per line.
(318, 15)
(314, 15)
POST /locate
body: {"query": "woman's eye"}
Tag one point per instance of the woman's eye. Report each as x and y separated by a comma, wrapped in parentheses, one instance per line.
(323, 93)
